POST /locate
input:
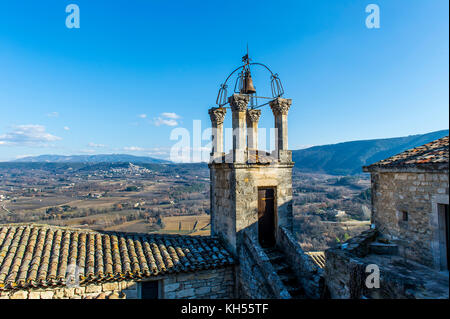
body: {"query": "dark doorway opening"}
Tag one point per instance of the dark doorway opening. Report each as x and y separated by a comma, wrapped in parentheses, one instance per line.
(444, 235)
(149, 290)
(266, 216)
(447, 232)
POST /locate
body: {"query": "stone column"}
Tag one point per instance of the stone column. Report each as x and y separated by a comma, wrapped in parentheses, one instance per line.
(238, 105)
(252, 134)
(280, 108)
(217, 115)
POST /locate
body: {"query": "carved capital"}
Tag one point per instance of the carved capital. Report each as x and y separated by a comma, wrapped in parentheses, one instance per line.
(280, 106)
(238, 102)
(253, 115)
(217, 114)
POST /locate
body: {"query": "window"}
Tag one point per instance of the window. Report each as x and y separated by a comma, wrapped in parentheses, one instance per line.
(149, 289)
(404, 216)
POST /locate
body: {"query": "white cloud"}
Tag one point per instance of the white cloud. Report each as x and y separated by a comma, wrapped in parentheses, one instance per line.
(90, 144)
(134, 148)
(170, 115)
(29, 134)
(167, 118)
(88, 151)
(169, 122)
(53, 114)
(66, 128)
(142, 116)
(22, 156)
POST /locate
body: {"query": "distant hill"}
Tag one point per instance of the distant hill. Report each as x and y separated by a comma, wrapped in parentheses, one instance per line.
(348, 158)
(101, 158)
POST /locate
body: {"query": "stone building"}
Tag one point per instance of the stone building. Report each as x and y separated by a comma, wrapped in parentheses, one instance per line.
(409, 239)
(251, 205)
(49, 262)
(251, 252)
(410, 202)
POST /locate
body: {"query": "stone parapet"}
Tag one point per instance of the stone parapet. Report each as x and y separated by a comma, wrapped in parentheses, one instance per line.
(346, 276)
(308, 274)
(360, 244)
(250, 165)
(257, 277)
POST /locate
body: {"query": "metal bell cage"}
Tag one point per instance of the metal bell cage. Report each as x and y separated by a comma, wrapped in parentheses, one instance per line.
(244, 85)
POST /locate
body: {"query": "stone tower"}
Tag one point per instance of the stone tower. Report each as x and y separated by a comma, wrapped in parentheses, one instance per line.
(251, 190)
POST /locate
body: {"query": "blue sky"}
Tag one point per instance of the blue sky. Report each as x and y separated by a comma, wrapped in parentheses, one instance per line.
(135, 70)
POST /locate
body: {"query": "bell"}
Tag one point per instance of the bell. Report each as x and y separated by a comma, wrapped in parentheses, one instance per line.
(247, 85)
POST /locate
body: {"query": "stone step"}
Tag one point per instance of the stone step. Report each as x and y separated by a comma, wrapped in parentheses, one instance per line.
(273, 252)
(285, 273)
(383, 249)
(296, 292)
(288, 279)
(282, 268)
(275, 256)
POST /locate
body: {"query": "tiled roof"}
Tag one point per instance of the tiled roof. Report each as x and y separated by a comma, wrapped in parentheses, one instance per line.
(430, 154)
(40, 255)
(318, 257)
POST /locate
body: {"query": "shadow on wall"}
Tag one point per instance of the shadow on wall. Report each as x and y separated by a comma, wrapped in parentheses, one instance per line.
(257, 276)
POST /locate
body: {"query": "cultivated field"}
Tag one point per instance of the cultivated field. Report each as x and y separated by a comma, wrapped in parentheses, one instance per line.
(171, 199)
(197, 225)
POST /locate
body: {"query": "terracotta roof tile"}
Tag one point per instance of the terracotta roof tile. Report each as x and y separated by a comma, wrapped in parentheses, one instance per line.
(40, 255)
(430, 154)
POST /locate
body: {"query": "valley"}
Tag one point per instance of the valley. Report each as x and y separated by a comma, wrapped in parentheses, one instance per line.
(167, 198)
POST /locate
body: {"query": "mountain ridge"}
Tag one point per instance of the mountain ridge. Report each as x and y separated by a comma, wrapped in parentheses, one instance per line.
(99, 158)
(347, 158)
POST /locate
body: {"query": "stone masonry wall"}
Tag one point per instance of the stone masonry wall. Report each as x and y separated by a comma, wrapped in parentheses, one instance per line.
(109, 290)
(308, 274)
(346, 277)
(234, 199)
(223, 222)
(206, 284)
(257, 278)
(396, 192)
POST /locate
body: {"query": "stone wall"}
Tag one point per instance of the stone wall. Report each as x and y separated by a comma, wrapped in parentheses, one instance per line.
(206, 284)
(234, 198)
(257, 278)
(308, 274)
(346, 276)
(394, 193)
(344, 272)
(110, 290)
(223, 221)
